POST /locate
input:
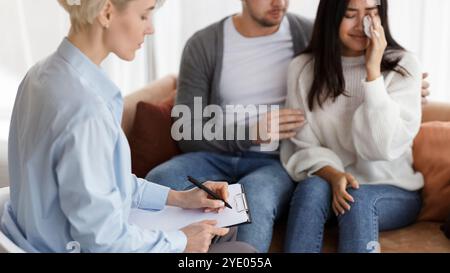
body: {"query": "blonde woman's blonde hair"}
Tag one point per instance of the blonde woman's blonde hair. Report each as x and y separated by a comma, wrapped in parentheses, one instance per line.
(83, 12)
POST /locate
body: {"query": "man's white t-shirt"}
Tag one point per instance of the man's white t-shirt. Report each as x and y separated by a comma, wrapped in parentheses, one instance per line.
(255, 70)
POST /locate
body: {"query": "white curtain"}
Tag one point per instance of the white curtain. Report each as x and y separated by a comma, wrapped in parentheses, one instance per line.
(30, 31)
(422, 26)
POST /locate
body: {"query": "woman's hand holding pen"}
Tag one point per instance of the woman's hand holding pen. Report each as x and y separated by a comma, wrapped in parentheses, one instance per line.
(199, 199)
(377, 47)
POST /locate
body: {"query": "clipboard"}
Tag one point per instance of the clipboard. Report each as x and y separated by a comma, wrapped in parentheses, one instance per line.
(173, 218)
(241, 206)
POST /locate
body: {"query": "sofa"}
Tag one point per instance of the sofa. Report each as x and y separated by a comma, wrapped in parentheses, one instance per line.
(143, 127)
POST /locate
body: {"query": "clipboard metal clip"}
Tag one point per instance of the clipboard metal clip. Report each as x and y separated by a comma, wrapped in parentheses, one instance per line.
(240, 201)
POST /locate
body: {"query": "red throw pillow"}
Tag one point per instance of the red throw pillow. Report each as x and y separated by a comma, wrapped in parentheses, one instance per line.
(150, 138)
(432, 159)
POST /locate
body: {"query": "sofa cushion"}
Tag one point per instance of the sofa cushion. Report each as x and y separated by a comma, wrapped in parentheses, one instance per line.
(150, 138)
(432, 159)
(422, 237)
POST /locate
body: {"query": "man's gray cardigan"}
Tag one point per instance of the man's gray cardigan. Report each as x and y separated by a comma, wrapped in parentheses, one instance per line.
(200, 73)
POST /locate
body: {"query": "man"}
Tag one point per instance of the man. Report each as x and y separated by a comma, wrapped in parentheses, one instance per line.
(242, 60)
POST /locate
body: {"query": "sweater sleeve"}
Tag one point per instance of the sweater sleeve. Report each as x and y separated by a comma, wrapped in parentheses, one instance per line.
(386, 123)
(304, 155)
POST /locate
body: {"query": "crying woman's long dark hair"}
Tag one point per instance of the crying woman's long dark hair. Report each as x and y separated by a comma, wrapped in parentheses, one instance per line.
(325, 46)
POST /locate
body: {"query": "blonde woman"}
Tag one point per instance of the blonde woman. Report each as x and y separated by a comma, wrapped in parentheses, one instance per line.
(71, 180)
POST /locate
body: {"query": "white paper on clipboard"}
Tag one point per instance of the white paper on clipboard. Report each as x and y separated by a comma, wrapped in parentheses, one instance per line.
(173, 218)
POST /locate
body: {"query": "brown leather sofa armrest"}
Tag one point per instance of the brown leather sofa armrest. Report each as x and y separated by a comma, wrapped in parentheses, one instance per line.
(156, 92)
(436, 111)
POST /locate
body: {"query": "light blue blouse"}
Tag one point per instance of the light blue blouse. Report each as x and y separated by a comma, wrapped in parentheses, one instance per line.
(70, 165)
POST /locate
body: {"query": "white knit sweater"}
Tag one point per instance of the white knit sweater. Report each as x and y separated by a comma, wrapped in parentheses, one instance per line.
(368, 134)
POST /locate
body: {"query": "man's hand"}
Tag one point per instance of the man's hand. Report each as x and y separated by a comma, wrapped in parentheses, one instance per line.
(199, 199)
(199, 235)
(278, 125)
(425, 88)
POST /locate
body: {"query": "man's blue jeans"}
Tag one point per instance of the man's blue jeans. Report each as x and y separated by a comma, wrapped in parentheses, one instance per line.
(267, 185)
(376, 208)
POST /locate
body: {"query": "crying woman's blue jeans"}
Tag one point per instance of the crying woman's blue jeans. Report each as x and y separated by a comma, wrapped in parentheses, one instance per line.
(376, 208)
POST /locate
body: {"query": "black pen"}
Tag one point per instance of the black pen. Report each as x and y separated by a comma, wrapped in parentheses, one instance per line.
(213, 194)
